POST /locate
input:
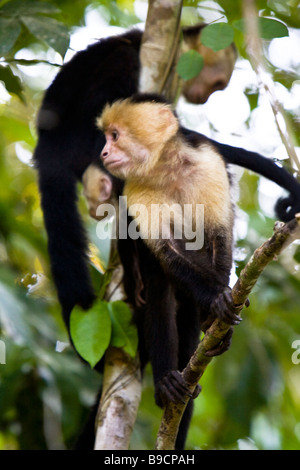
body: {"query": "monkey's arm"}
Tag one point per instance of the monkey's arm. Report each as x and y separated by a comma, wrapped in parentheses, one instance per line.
(201, 275)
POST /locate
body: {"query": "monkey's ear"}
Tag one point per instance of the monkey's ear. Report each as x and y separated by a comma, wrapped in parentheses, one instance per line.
(105, 188)
(97, 185)
(169, 121)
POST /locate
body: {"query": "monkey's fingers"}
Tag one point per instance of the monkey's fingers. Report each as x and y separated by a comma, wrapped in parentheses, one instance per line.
(223, 346)
(170, 393)
(231, 307)
(229, 300)
(197, 391)
(224, 308)
(173, 388)
(181, 385)
(178, 385)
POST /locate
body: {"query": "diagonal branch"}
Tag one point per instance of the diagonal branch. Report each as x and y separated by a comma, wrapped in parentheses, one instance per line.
(283, 235)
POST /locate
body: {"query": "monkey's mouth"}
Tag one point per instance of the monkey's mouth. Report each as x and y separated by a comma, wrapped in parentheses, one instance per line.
(111, 163)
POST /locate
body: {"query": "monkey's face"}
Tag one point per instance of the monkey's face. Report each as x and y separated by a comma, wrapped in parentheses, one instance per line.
(97, 189)
(215, 75)
(136, 134)
(122, 154)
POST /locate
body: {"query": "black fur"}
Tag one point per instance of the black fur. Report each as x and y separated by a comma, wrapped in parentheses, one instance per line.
(68, 142)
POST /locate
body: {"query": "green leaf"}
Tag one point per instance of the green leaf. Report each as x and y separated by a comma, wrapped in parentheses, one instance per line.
(12, 82)
(268, 28)
(91, 331)
(50, 31)
(10, 29)
(217, 36)
(271, 29)
(190, 65)
(29, 8)
(124, 331)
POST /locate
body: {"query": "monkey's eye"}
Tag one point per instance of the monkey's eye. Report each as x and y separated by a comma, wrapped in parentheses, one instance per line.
(115, 135)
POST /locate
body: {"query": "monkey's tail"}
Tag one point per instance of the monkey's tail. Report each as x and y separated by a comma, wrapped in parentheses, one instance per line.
(286, 207)
(67, 243)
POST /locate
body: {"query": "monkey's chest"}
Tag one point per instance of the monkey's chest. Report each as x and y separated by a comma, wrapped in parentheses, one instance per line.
(176, 212)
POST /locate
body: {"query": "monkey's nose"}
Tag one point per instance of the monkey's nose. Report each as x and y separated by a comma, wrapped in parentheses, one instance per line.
(104, 154)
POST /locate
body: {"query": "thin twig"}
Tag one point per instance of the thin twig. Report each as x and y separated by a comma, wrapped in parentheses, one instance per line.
(258, 63)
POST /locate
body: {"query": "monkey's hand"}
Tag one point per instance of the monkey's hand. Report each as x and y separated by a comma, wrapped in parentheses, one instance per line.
(172, 387)
(224, 308)
(223, 346)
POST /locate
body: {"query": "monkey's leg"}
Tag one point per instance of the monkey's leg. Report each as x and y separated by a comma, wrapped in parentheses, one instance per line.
(172, 386)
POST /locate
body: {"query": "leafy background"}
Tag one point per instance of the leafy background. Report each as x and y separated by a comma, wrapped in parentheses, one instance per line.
(251, 395)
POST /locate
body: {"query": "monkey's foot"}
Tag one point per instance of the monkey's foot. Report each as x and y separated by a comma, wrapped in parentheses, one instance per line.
(223, 346)
(173, 388)
(224, 308)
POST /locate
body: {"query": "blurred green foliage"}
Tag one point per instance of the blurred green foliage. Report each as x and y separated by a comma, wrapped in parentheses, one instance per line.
(251, 395)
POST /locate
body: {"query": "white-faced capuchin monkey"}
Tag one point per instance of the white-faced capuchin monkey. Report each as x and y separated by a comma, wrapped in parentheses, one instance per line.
(165, 165)
(185, 289)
